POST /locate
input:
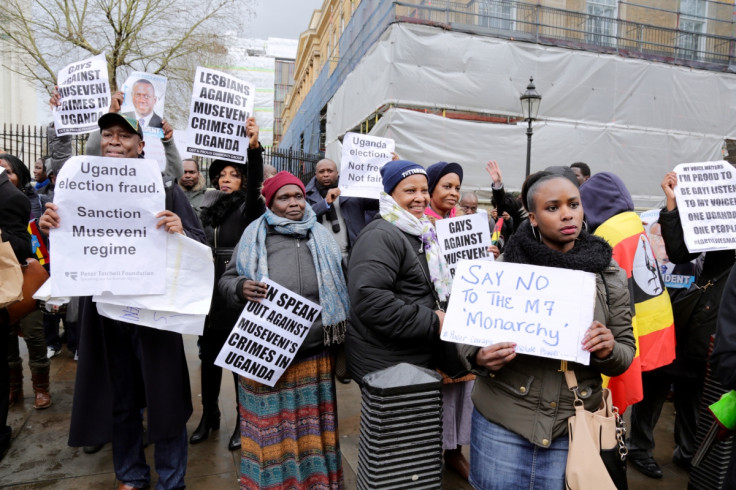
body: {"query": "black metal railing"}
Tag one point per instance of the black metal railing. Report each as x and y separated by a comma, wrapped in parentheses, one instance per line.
(29, 143)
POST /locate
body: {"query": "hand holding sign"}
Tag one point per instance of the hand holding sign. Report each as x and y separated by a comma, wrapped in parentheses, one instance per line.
(543, 311)
(706, 201)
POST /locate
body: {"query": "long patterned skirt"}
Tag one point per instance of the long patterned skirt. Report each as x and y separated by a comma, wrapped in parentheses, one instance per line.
(288, 433)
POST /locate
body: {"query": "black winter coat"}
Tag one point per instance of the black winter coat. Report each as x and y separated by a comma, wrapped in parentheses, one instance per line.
(167, 394)
(693, 336)
(393, 304)
(224, 233)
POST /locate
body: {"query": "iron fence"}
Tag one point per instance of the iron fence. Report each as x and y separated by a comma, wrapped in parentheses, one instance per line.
(29, 143)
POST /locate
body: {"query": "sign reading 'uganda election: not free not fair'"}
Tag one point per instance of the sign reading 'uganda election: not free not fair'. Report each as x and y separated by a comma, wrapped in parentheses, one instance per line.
(107, 238)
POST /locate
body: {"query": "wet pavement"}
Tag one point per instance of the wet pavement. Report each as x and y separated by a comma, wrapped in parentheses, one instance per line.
(40, 458)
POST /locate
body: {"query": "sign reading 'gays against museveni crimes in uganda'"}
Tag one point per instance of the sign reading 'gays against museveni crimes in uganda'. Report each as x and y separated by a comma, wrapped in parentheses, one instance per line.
(84, 92)
(544, 310)
(107, 238)
(706, 201)
(464, 238)
(268, 335)
(220, 106)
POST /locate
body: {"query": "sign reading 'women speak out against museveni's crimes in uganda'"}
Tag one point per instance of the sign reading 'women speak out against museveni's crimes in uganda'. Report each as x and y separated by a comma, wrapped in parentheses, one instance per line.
(706, 201)
(360, 166)
(220, 106)
(84, 92)
(107, 240)
(544, 310)
(268, 334)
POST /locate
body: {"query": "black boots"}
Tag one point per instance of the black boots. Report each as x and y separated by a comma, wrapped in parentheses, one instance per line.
(234, 443)
(210, 421)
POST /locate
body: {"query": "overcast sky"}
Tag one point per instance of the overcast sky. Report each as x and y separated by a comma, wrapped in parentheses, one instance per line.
(280, 18)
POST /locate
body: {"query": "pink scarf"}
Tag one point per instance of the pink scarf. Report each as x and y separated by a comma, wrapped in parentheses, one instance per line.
(429, 212)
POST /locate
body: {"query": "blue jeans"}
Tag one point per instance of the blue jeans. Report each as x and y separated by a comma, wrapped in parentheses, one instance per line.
(170, 455)
(503, 460)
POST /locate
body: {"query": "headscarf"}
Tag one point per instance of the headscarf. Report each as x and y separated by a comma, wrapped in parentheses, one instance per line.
(252, 263)
(439, 271)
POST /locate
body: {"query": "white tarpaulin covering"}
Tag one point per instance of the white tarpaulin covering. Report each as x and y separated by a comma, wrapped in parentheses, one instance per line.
(635, 118)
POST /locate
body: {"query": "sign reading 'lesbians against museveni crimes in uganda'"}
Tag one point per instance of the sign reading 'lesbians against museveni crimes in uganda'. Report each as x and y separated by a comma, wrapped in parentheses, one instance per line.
(544, 310)
(464, 238)
(268, 335)
(220, 106)
(107, 238)
(84, 92)
(706, 201)
(360, 167)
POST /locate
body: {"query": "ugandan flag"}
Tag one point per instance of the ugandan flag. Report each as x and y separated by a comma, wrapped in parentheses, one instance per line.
(38, 248)
(651, 310)
(496, 236)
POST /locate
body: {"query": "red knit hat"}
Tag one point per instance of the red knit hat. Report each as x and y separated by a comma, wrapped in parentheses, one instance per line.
(270, 186)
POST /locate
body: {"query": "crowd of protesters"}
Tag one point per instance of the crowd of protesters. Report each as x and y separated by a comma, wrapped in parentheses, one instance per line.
(376, 269)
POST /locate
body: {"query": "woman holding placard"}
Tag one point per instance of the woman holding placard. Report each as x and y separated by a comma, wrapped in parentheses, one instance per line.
(444, 181)
(289, 432)
(522, 402)
(226, 212)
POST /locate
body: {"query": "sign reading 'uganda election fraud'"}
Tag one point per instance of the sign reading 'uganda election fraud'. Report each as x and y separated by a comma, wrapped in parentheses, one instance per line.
(464, 238)
(360, 168)
(85, 96)
(107, 238)
(220, 106)
(544, 310)
(268, 335)
(706, 200)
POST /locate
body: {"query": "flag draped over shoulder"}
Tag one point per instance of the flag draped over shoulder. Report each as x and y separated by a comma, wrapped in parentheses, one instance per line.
(651, 313)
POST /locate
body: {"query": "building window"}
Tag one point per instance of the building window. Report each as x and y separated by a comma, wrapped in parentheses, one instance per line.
(497, 14)
(690, 41)
(601, 22)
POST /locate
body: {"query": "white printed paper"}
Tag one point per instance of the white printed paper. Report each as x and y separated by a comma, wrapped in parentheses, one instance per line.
(360, 167)
(268, 335)
(144, 99)
(706, 201)
(190, 278)
(464, 238)
(85, 96)
(161, 320)
(107, 238)
(220, 106)
(544, 310)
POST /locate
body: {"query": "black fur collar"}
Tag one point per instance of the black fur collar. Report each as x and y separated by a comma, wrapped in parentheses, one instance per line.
(215, 213)
(590, 253)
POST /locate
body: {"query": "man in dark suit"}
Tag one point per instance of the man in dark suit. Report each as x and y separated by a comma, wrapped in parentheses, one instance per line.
(15, 210)
(144, 99)
(345, 217)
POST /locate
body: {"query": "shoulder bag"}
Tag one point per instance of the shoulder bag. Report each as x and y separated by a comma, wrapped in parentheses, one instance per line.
(11, 277)
(596, 457)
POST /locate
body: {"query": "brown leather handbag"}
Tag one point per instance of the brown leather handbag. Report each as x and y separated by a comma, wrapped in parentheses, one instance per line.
(34, 275)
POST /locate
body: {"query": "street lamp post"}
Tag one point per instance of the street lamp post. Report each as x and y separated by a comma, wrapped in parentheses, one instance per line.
(529, 107)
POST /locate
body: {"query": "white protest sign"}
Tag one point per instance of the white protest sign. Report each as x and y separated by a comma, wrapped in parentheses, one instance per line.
(160, 320)
(85, 96)
(706, 201)
(144, 99)
(544, 310)
(268, 335)
(190, 278)
(360, 167)
(107, 238)
(220, 106)
(464, 238)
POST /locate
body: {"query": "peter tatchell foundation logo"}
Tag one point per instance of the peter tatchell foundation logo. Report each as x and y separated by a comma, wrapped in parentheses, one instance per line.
(72, 275)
